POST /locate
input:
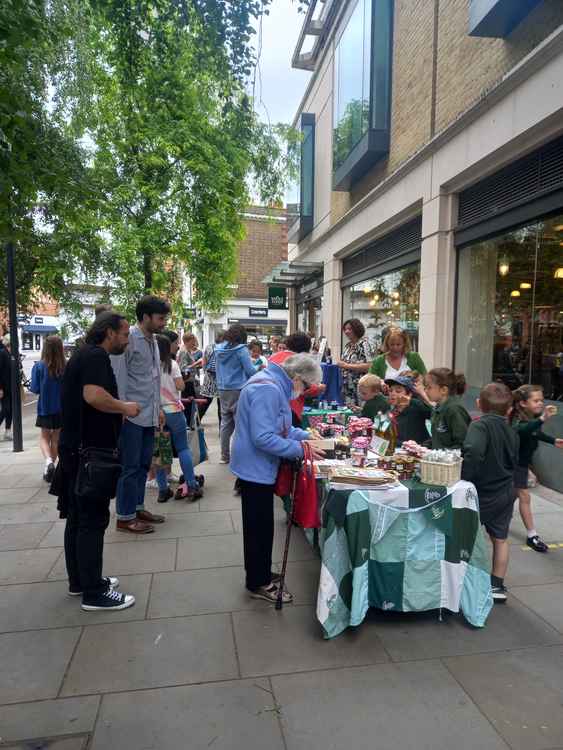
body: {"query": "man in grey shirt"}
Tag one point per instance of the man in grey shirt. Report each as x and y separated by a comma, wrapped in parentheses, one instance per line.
(137, 373)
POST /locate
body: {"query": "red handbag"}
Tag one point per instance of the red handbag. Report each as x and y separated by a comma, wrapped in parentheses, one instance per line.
(284, 480)
(306, 502)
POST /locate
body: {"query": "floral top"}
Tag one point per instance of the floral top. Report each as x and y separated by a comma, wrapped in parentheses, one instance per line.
(362, 351)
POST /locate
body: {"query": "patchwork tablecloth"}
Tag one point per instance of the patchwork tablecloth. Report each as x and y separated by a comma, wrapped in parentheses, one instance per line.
(408, 549)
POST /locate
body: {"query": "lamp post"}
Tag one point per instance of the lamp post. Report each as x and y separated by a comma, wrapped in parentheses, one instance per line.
(15, 352)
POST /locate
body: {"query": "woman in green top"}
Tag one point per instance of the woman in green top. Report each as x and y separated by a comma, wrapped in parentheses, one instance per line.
(397, 356)
(450, 418)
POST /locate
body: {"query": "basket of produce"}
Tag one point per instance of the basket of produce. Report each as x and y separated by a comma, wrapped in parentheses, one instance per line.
(441, 467)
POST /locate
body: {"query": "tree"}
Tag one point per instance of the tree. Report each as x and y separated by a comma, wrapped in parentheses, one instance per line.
(45, 193)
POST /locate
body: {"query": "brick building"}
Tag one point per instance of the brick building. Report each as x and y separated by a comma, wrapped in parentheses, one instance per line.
(431, 192)
(263, 248)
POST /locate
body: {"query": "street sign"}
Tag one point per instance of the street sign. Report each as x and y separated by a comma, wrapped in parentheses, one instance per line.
(257, 312)
(277, 298)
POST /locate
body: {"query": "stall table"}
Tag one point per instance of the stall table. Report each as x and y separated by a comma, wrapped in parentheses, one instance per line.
(408, 548)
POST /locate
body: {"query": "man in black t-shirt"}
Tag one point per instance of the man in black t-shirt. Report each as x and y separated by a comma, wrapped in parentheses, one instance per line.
(92, 418)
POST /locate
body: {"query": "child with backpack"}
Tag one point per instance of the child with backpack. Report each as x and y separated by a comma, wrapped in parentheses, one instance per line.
(528, 418)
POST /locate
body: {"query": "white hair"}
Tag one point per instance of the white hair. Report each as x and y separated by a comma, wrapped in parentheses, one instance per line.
(303, 366)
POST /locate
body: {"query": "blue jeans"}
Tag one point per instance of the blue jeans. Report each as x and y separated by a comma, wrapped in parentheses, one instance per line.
(137, 445)
(177, 425)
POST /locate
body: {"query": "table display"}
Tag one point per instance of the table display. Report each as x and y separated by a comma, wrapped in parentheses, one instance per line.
(406, 548)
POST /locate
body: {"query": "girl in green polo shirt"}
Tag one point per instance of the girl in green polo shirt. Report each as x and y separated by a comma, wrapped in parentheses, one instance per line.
(450, 418)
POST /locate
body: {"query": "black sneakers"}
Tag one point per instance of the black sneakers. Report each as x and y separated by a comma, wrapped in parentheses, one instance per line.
(110, 599)
(500, 594)
(111, 582)
(165, 495)
(49, 473)
(537, 544)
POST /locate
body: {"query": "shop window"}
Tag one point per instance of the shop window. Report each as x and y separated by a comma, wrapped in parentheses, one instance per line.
(390, 300)
(27, 341)
(510, 308)
(301, 197)
(362, 91)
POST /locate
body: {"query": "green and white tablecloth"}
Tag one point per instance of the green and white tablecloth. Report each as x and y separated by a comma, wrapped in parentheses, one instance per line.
(323, 413)
(407, 549)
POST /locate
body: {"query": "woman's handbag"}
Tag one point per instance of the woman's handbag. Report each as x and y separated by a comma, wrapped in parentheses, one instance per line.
(196, 440)
(306, 500)
(162, 453)
(284, 480)
(99, 470)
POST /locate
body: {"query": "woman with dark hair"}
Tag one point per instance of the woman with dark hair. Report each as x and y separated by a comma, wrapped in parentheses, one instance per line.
(234, 367)
(46, 380)
(355, 360)
(174, 339)
(171, 383)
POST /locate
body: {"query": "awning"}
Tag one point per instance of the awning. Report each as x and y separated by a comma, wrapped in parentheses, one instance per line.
(39, 329)
(259, 321)
(291, 273)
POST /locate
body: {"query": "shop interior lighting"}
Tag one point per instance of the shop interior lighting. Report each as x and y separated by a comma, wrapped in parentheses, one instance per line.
(395, 295)
(525, 285)
(559, 228)
(516, 293)
(376, 297)
(396, 302)
(372, 303)
(503, 267)
(558, 273)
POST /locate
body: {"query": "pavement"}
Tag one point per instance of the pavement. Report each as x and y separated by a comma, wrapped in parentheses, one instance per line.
(197, 664)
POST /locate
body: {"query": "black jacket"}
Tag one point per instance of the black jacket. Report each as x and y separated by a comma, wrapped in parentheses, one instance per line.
(490, 455)
(5, 371)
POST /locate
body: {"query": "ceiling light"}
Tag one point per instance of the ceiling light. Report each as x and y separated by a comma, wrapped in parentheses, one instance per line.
(516, 293)
(376, 297)
(395, 295)
(559, 228)
(558, 273)
(396, 302)
(372, 303)
(525, 285)
(503, 268)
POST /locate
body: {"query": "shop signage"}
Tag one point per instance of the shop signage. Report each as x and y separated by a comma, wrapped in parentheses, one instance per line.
(232, 320)
(38, 321)
(257, 312)
(277, 298)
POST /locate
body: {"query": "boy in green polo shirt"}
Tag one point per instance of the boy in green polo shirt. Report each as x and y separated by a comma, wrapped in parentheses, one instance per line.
(369, 391)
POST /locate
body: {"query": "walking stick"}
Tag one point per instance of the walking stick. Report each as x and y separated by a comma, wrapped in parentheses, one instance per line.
(279, 600)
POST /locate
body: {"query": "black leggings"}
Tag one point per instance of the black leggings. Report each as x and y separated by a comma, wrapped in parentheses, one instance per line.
(6, 410)
(258, 532)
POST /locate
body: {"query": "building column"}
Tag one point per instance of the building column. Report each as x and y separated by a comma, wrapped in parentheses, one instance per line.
(292, 310)
(332, 306)
(437, 282)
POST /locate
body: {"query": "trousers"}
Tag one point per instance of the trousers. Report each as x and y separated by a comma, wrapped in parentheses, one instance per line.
(258, 532)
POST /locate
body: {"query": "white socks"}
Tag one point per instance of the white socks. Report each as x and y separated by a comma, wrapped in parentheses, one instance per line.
(532, 533)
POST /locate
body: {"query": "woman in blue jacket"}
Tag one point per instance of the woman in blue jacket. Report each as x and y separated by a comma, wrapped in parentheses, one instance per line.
(234, 367)
(46, 379)
(264, 436)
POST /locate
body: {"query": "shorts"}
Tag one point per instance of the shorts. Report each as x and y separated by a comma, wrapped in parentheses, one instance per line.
(496, 513)
(49, 421)
(521, 477)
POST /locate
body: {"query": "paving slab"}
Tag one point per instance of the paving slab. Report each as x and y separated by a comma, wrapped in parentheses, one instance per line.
(271, 642)
(529, 567)
(383, 707)
(34, 663)
(47, 605)
(302, 579)
(548, 525)
(172, 507)
(199, 592)
(28, 513)
(226, 715)
(17, 496)
(192, 524)
(69, 743)
(22, 477)
(130, 558)
(520, 692)
(545, 600)
(23, 536)
(50, 718)
(128, 656)
(26, 566)
(412, 636)
(209, 552)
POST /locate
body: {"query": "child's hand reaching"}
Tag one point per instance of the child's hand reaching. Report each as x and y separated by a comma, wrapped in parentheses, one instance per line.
(559, 442)
(549, 411)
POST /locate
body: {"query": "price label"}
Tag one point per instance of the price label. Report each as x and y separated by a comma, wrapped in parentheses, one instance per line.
(379, 445)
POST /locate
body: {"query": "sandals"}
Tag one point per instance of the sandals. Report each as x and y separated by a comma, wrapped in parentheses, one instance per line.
(270, 594)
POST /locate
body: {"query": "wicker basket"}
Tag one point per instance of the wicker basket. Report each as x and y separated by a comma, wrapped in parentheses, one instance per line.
(433, 472)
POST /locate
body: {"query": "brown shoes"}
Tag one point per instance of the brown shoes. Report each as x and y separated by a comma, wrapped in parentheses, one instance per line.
(146, 515)
(134, 526)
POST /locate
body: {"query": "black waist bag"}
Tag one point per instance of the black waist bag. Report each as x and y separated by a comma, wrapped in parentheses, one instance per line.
(99, 470)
